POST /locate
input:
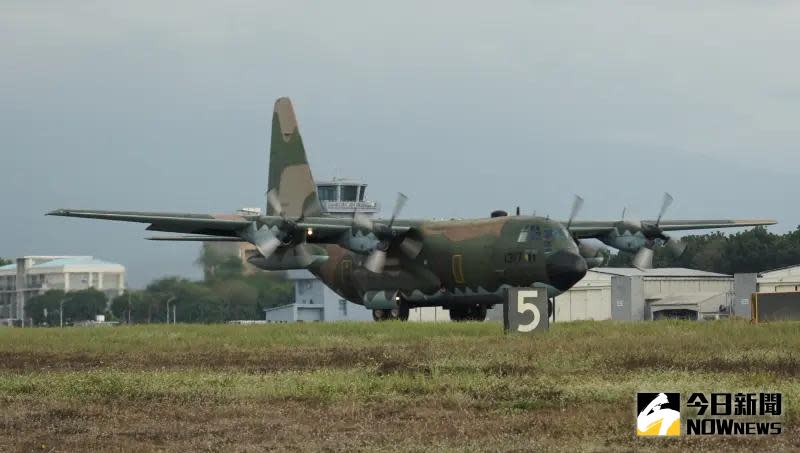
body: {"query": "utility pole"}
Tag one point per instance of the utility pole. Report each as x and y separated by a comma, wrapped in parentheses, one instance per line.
(174, 318)
(172, 298)
(61, 311)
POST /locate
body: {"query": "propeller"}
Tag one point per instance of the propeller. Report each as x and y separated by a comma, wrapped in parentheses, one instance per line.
(376, 260)
(590, 252)
(675, 246)
(267, 242)
(653, 233)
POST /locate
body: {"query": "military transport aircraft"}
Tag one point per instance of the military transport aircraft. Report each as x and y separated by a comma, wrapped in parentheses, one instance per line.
(392, 265)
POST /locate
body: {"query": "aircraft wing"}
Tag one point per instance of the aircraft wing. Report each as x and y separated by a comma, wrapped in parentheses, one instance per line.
(225, 225)
(588, 229)
(679, 225)
(195, 238)
(208, 224)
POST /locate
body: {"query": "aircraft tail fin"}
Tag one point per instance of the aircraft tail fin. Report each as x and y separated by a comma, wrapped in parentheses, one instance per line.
(289, 172)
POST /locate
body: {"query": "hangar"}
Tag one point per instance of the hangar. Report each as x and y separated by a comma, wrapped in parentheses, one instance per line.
(634, 295)
(783, 280)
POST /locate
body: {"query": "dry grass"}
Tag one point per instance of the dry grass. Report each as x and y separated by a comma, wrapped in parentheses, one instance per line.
(388, 386)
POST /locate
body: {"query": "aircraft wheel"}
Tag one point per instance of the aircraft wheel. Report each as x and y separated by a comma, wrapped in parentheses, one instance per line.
(478, 313)
(458, 314)
(380, 314)
(403, 312)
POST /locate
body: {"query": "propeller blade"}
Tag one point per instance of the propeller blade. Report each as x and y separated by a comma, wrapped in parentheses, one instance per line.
(629, 222)
(643, 259)
(308, 211)
(676, 247)
(303, 257)
(275, 202)
(375, 261)
(577, 204)
(398, 206)
(362, 221)
(411, 247)
(268, 247)
(664, 206)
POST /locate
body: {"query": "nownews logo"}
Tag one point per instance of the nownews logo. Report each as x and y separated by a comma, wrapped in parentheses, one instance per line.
(714, 414)
(659, 414)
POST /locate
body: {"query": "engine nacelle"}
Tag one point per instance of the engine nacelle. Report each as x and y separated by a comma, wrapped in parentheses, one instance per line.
(593, 255)
(627, 242)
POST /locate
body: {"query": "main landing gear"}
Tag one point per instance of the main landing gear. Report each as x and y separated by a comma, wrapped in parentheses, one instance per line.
(393, 314)
(468, 313)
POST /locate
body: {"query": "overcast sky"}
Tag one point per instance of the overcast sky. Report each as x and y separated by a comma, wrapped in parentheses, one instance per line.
(464, 106)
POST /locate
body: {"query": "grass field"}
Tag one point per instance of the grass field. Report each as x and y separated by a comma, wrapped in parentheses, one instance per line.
(387, 386)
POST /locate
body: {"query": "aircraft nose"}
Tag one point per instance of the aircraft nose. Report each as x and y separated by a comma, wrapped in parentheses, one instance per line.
(565, 269)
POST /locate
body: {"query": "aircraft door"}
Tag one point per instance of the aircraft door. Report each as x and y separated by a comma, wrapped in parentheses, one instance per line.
(346, 280)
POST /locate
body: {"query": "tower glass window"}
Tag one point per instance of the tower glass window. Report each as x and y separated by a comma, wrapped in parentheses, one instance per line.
(326, 193)
(349, 193)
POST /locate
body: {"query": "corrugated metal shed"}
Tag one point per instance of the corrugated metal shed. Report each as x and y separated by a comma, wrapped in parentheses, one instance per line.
(786, 279)
(669, 272)
(591, 298)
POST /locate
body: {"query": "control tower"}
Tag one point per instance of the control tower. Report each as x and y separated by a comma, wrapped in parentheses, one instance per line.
(341, 196)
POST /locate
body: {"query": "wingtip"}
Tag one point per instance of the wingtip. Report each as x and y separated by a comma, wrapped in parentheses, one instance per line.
(57, 212)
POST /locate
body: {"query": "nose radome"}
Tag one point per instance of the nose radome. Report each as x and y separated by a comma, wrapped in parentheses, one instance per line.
(565, 269)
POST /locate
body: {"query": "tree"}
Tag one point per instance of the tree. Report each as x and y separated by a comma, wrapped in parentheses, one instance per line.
(273, 289)
(84, 305)
(195, 302)
(48, 302)
(4, 262)
(239, 300)
(218, 299)
(753, 250)
(129, 306)
(218, 265)
(81, 305)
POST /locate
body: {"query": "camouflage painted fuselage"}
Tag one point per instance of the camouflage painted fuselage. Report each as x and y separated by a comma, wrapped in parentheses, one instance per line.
(461, 262)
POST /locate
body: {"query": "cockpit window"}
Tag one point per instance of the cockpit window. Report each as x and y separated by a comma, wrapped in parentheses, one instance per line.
(530, 233)
(555, 233)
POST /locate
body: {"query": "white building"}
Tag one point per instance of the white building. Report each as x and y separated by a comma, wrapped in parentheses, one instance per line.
(313, 301)
(786, 279)
(34, 275)
(631, 294)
